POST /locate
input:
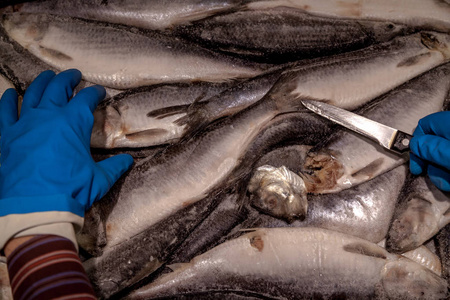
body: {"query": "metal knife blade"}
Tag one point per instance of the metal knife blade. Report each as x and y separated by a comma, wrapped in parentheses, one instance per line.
(386, 136)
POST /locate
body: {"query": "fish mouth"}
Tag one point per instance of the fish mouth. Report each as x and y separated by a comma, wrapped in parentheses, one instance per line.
(436, 41)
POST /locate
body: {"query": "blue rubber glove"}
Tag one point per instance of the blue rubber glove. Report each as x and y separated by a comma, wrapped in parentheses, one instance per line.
(45, 161)
(430, 149)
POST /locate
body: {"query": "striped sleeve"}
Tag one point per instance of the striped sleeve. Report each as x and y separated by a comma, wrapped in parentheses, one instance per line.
(48, 267)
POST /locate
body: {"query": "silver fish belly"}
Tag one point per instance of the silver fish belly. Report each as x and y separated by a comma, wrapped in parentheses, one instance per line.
(286, 34)
(422, 213)
(347, 159)
(351, 79)
(427, 14)
(300, 263)
(121, 58)
(158, 14)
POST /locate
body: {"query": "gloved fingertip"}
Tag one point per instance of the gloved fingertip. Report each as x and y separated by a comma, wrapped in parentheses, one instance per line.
(124, 162)
(439, 177)
(101, 90)
(416, 165)
(116, 165)
(10, 94)
(8, 108)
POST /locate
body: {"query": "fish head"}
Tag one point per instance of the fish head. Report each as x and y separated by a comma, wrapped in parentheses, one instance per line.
(437, 41)
(25, 28)
(406, 279)
(279, 193)
(413, 226)
(385, 31)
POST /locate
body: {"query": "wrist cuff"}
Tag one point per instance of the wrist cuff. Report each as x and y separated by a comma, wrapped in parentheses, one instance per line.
(65, 230)
(34, 204)
(15, 225)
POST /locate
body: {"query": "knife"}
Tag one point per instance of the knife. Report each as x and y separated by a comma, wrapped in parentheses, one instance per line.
(386, 136)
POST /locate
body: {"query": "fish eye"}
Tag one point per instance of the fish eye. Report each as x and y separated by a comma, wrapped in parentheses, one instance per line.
(271, 202)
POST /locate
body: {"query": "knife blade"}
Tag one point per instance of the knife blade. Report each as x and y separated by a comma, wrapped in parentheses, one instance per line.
(388, 137)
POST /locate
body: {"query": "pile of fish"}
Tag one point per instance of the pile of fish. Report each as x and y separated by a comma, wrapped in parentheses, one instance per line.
(238, 191)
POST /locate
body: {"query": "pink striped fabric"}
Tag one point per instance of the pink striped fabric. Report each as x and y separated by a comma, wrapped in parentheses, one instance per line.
(48, 267)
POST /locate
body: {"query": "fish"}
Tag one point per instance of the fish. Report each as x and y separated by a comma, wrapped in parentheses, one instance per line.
(423, 211)
(156, 15)
(346, 159)
(200, 114)
(427, 14)
(292, 263)
(5, 286)
(124, 121)
(121, 58)
(280, 35)
(279, 192)
(352, 79)
(115, 268)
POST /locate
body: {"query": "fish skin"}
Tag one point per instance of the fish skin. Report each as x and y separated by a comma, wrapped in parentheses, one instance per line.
(292, 263)
(121, 58)
(347, 159)
(123, 121)
(280, 35)
(428, 14)
(443, 247)
(158, 14)
(423, 211)
(228, 213)
(348, 80)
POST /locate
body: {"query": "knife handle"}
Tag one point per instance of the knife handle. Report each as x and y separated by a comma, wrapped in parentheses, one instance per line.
(401, 142)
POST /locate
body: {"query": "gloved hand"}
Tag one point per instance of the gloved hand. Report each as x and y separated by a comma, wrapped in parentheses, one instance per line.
(430, 149)
(47, 174)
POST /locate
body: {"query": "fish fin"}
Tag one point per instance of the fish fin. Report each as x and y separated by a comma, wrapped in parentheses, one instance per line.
(249, 229)
(165, 112)
(366, 249)
(135, 136)
(195, 120)
(370, 170)
(55, 54)
(410, 61)
(177, 266)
